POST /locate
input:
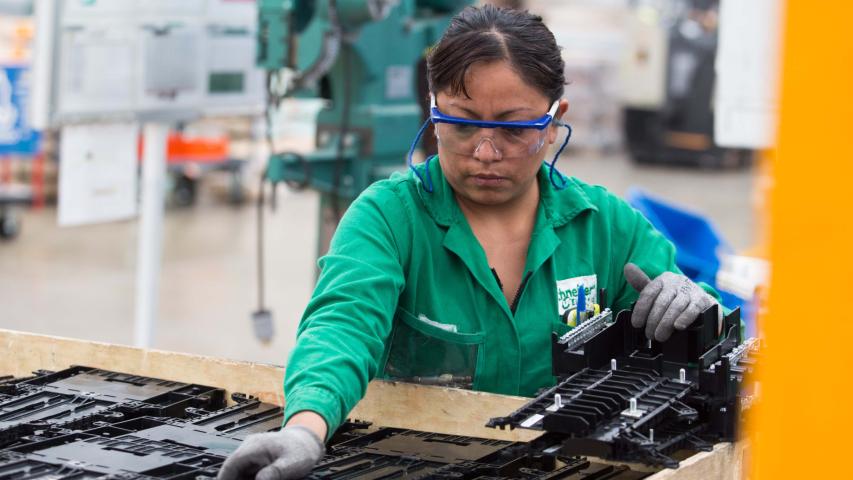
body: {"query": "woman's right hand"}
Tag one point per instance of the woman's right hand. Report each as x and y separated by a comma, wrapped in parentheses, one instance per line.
(289, 453)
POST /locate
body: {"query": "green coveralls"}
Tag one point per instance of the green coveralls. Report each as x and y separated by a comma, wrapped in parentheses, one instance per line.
(406, 291)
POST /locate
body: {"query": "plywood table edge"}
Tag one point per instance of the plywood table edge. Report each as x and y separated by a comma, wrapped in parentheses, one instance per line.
(427, 407)
(450, 411)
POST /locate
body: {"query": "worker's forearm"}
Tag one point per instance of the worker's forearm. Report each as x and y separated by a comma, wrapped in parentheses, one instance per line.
(310, 420)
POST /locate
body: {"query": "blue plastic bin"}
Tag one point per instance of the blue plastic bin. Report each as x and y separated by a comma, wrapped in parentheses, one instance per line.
(696, 241)
(697, 245)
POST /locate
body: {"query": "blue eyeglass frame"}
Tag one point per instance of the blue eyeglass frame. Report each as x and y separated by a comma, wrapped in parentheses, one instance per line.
(436, 116)
(539, 124)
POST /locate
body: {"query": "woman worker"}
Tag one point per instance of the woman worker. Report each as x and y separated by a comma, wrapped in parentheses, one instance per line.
(458, 272)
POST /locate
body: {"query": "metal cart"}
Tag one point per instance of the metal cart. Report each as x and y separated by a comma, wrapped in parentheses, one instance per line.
(11, 197)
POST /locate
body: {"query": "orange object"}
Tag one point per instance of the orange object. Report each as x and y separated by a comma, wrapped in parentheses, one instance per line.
(802, 426)
(37, 180)
(194, 149)
(5, 170)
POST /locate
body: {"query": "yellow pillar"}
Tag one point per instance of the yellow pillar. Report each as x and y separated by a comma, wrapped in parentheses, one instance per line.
(804, 424)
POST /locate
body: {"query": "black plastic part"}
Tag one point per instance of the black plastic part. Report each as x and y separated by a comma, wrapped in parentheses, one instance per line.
(391, 453)
(51, 404)
(82, 423)
(594, 415)
(246, 417)
(85, 423)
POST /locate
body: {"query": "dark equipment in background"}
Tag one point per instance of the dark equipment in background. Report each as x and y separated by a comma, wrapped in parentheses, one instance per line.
(10, 224)
(681, 129)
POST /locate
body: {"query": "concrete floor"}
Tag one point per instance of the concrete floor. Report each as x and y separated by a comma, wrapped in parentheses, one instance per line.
(79, 282)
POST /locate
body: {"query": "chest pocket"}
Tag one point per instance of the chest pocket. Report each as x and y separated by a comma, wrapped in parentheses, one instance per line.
(424, 351)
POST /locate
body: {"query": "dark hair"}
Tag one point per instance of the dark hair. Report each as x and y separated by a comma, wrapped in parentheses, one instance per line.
(489, 33)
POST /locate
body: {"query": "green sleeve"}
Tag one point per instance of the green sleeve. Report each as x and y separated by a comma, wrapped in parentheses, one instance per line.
(639, 243)
(342, 334)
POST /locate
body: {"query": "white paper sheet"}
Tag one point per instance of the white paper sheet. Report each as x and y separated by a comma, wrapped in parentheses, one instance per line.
(747, 73)
(98, 173)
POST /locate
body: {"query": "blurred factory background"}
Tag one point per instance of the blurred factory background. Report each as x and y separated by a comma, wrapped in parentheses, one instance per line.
(204, 85)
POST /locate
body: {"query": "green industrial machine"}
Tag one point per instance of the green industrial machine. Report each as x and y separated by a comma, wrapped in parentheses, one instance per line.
(363, 56)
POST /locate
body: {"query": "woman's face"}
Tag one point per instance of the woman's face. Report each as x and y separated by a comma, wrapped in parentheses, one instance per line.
(484, 176)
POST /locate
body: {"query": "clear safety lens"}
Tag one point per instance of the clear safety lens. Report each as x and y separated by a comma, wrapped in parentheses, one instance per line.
(463, 139)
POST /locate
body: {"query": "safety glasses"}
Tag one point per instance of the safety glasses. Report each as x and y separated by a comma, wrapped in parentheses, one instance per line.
(508, 139)
(505, 140)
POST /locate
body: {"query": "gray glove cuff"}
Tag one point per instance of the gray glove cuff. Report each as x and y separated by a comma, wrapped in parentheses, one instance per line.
(310, 441)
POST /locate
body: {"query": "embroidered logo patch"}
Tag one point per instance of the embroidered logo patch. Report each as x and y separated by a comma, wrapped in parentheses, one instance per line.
(567, 292)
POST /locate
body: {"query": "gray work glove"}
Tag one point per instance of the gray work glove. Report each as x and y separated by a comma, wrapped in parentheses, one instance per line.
(669, 302)
(289, 453)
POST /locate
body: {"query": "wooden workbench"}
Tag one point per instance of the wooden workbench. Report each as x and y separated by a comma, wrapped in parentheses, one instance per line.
(391, 404)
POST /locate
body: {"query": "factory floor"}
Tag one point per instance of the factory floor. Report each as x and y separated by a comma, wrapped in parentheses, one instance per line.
(79, 282)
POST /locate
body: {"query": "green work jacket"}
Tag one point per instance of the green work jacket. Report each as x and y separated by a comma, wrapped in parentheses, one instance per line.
(406, 292)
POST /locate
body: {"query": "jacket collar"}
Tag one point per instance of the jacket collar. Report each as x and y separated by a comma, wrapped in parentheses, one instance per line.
(559, 206)
(556, 208)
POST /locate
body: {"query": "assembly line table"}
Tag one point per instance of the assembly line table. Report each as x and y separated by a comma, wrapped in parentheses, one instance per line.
(391, 404)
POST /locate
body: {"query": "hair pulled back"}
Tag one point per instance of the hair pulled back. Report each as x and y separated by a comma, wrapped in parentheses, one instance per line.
(489, 33)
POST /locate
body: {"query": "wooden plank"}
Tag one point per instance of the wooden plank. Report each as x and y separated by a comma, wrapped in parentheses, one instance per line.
(26, 352)
(392, 404)
(725, 462)
(434, 409)
(425, 407)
